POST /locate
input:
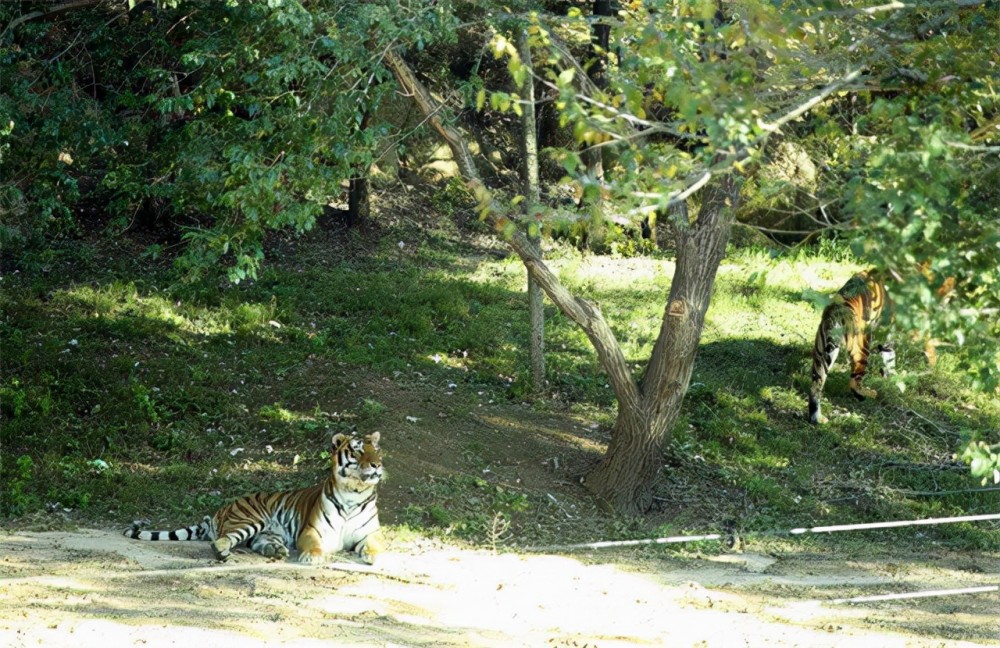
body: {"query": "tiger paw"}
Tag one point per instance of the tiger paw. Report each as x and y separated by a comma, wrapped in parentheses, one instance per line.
(274, 550)
(368, 554)
(222, 549)
(370, 548)
(311, 557)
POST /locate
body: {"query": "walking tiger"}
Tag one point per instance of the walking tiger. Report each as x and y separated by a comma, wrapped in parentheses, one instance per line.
(339, 514)
(855, 312)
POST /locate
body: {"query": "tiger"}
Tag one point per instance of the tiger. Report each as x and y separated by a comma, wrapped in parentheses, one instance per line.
(338, 514)
(860, 306)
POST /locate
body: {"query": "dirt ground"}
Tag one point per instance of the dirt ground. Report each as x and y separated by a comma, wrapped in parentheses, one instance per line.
(94, 587)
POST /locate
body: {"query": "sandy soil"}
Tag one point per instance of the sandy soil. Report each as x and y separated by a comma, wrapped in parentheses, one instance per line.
(95, 587)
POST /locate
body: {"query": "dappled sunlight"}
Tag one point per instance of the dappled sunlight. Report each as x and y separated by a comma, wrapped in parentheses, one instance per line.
(194, 403)
(789, 273)
(124, 302)
(610, 274)
(573, 435)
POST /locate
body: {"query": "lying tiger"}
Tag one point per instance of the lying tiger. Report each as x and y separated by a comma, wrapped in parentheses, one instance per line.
(339, 514)
(855, 312)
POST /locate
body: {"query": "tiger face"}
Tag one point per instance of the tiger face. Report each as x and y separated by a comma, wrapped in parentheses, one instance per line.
(357, 460)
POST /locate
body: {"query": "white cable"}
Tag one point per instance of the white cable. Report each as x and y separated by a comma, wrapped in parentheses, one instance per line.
(897, 523)
(799, 531)
(923, 594)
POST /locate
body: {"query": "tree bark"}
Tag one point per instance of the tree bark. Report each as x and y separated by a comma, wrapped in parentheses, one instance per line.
(530, 188)
(358, 203)
(431, 110)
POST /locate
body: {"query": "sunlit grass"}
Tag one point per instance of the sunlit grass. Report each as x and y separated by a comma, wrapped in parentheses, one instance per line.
(123, 301)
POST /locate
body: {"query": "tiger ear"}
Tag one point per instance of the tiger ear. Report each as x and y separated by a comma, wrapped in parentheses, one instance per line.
(338, 440)
(374, 437)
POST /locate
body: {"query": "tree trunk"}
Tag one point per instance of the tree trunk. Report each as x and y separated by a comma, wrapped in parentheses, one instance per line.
(626, 476)
(358, 189)
(530, 188)
(358, 204)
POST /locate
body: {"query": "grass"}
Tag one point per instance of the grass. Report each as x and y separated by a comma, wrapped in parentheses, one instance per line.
(126, 394)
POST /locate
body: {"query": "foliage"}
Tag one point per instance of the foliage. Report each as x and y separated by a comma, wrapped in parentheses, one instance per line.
(16, 498)
(228, 119)
(983, 461)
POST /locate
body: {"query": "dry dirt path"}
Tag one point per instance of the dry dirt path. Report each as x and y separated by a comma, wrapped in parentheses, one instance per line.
(97, 588)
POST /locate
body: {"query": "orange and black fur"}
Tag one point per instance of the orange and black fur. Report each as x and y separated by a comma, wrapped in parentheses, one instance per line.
(855, 312)
(339, 514)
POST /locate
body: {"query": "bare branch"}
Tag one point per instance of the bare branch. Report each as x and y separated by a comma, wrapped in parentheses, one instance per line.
(73, 4)
(890, 6)
(811, 103)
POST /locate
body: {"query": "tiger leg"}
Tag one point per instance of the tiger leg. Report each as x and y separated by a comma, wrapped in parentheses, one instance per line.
(930, 351)
(888, 359)
(222, 548)
(824, 355)
(858, 348)
(309, 545)
(229, 538)
(370, 547)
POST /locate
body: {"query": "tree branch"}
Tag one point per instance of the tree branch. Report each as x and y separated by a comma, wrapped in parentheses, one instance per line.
(733, 159)
(975, 149)
(803, 108)
(432, 109)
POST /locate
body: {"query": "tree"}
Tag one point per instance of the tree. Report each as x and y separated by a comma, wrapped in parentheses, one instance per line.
(646, 408)
(689, 106)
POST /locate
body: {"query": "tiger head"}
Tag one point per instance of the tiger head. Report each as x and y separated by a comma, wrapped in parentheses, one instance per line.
(357, 460)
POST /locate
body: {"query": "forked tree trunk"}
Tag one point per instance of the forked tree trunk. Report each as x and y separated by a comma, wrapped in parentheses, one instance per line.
(626, 476)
